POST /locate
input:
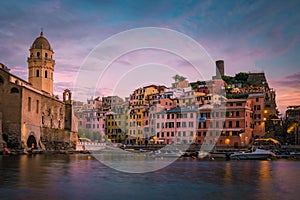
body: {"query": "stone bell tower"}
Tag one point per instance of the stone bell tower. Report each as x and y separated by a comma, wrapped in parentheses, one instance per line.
(41, 65)
(67, 99)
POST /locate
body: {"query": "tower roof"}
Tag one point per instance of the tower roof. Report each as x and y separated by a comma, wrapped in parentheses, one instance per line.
(41, 43)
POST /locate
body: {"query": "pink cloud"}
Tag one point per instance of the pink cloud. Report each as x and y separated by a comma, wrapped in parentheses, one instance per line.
(287, 90)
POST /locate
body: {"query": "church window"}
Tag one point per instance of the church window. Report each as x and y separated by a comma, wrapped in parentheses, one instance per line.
(29, 104)
(37, 106)
(46, 55)
(14, 90)
(38, 54)
(46, 74)
(37, 73)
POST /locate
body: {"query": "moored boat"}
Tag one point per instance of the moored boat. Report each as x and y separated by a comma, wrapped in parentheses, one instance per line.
(168, 153)
(254, 154)
(295, 155)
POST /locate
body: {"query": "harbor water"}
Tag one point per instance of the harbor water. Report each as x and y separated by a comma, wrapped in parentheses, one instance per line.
(80, 176)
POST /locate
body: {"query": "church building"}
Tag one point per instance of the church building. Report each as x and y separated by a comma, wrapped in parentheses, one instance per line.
(31, 116)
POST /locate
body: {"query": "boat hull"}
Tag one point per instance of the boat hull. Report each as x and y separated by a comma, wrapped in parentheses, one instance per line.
(251, 157)
(258, 154)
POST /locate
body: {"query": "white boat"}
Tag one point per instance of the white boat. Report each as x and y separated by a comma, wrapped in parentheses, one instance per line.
(254, 154)
(168, 153)
(295, 155)
(203, 154)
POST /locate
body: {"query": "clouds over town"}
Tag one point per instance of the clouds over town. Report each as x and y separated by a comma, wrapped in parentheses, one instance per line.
(248, 35)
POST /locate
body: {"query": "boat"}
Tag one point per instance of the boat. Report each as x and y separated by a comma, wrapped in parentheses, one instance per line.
(203, 154)
(253, 154)
(295, 155)
(168, 153)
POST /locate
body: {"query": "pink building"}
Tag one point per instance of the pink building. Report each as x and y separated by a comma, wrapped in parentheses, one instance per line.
(176, 126)
(226, 127)
(258, 107)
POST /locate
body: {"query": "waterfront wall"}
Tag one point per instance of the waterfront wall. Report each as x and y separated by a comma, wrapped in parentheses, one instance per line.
(58, 139)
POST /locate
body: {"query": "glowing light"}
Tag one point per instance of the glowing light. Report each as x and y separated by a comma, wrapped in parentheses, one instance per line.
(291, 128)
(227, 141)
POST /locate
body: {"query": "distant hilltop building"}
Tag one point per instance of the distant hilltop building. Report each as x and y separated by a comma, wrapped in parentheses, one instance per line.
(30, 115)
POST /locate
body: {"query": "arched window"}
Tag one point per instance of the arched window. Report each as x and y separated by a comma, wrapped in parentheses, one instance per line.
(37, 73)
(1, 80)
(46, 74)
(46, 55)
(5, 137)
(38, 54)
(14, 90)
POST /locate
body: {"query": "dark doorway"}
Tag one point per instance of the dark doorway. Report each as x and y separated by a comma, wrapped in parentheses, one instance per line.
(236, 145)
(5, 137)
(31, 142)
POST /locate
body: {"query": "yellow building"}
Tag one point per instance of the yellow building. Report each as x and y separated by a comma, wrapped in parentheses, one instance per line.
(115, 123)
(140, 101)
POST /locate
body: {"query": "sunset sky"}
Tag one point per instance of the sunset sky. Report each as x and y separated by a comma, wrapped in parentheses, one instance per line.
(248, 35)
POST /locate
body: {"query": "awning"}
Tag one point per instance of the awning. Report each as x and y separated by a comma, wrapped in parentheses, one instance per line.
(268, 140)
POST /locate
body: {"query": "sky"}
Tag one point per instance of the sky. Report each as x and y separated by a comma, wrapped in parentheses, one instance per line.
(250, 36)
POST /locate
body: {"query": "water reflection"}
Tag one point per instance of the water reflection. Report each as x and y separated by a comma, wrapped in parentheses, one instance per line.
(265, 180)
(83, 177)
(228, 174)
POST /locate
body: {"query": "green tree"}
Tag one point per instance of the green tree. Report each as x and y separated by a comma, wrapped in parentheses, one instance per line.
(179, 78)
(241, 77)
(195, 85)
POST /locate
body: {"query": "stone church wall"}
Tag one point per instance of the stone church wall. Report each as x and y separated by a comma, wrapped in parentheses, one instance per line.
(10, 106)
(57, 139)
